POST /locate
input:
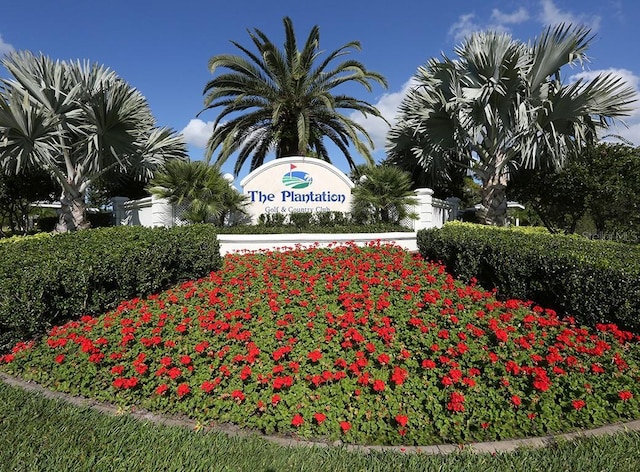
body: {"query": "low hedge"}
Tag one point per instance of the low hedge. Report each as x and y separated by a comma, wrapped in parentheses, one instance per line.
(44, 281)
(593, 281)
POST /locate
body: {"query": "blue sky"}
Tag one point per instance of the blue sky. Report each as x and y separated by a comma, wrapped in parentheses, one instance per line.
(162, 48)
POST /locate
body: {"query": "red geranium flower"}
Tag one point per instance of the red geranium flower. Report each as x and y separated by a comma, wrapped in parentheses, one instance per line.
(625, 395)
(319, 417)
(378, 385)
(297, 420)
(578, 404)
(183, 389)
(402, 420)
(345, 426)
(315, 356)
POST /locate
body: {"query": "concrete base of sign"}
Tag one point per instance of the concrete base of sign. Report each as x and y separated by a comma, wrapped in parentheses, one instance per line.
(259, 242)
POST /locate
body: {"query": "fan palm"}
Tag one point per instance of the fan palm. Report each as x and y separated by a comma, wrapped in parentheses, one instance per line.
(205, 191)
(77, 121)
(502, 105)
(382, 194)
(283, 101)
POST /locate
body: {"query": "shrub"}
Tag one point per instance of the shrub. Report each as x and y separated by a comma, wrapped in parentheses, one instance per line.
(594, 281)
(44, 281)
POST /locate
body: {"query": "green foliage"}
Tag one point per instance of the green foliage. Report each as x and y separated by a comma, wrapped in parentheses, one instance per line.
(290, 106)
(600, 184)
(318, 222)
(501, 104)
(78, 122)
(44, 281)
(594, 281)
(18, 192)
(209, 196)
(382, 195)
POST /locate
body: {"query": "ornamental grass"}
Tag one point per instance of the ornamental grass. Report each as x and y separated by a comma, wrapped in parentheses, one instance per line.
(367, 345)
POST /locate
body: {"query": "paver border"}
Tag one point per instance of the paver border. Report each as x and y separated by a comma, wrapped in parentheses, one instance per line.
(488, 447)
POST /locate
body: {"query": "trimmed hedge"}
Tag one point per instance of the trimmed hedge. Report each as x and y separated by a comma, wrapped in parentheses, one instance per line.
(45, 281)
(593, 281)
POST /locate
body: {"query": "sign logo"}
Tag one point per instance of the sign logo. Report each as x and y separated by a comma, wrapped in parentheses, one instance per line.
(296, 179)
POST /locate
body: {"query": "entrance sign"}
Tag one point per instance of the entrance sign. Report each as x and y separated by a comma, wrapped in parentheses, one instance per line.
(296, 185)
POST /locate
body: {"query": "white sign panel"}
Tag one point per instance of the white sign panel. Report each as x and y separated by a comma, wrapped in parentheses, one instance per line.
(296, 184)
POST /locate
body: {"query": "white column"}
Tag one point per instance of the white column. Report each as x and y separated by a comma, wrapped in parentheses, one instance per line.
(161, 212)
(424, 209)
(119, 213)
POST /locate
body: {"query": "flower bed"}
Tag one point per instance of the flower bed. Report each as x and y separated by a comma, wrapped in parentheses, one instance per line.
(364, 344)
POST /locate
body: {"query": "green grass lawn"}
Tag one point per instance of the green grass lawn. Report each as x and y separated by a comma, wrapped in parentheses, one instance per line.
(40, 434)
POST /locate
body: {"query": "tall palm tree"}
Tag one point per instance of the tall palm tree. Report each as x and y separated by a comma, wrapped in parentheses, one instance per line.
(78, 121)
(502, 105)
(284, 101)
(203, 188)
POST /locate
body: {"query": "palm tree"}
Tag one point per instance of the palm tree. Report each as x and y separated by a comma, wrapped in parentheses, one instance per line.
(382, 194)
(78, 122)
(502, 105)
(203, 188)
(283, 101)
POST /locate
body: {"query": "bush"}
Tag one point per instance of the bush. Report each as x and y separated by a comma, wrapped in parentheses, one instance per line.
(594, 281)
(44, 281)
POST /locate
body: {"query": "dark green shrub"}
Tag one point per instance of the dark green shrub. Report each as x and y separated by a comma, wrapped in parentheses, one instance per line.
(47, 280)
(594, 281)
(300, 220)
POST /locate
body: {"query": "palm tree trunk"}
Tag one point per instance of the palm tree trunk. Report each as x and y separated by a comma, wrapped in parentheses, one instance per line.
(494, 200)
(73, 215)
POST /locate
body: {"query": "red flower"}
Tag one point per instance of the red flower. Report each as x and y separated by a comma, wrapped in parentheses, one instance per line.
(160, 389)
(428, 364)
(402, 420)
(319, 417)
(383, 359)
(578, 404)
(183, 389)
(456, 402)
(399, 376)
(275, 399)
(625, 395)
(345, 426)
(516, 400)
(174, 373)
(378, 385)
(315, 356)
(237, 395)
(297, 420)
(60, 358)
(185, 360)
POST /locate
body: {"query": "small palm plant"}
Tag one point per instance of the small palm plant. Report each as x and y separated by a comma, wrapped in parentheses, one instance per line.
(207, 193)
(382, 194)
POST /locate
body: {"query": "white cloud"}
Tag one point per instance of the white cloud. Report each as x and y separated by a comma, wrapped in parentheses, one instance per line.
(464, 27)
(198, 132)
(5, 47)
(388, 107)
(500, 21)
(552, 15)
(500, 18)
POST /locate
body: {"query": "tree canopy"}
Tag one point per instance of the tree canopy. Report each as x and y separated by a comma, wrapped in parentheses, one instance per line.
(285, 101)
(501, 105)
(77, 121)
